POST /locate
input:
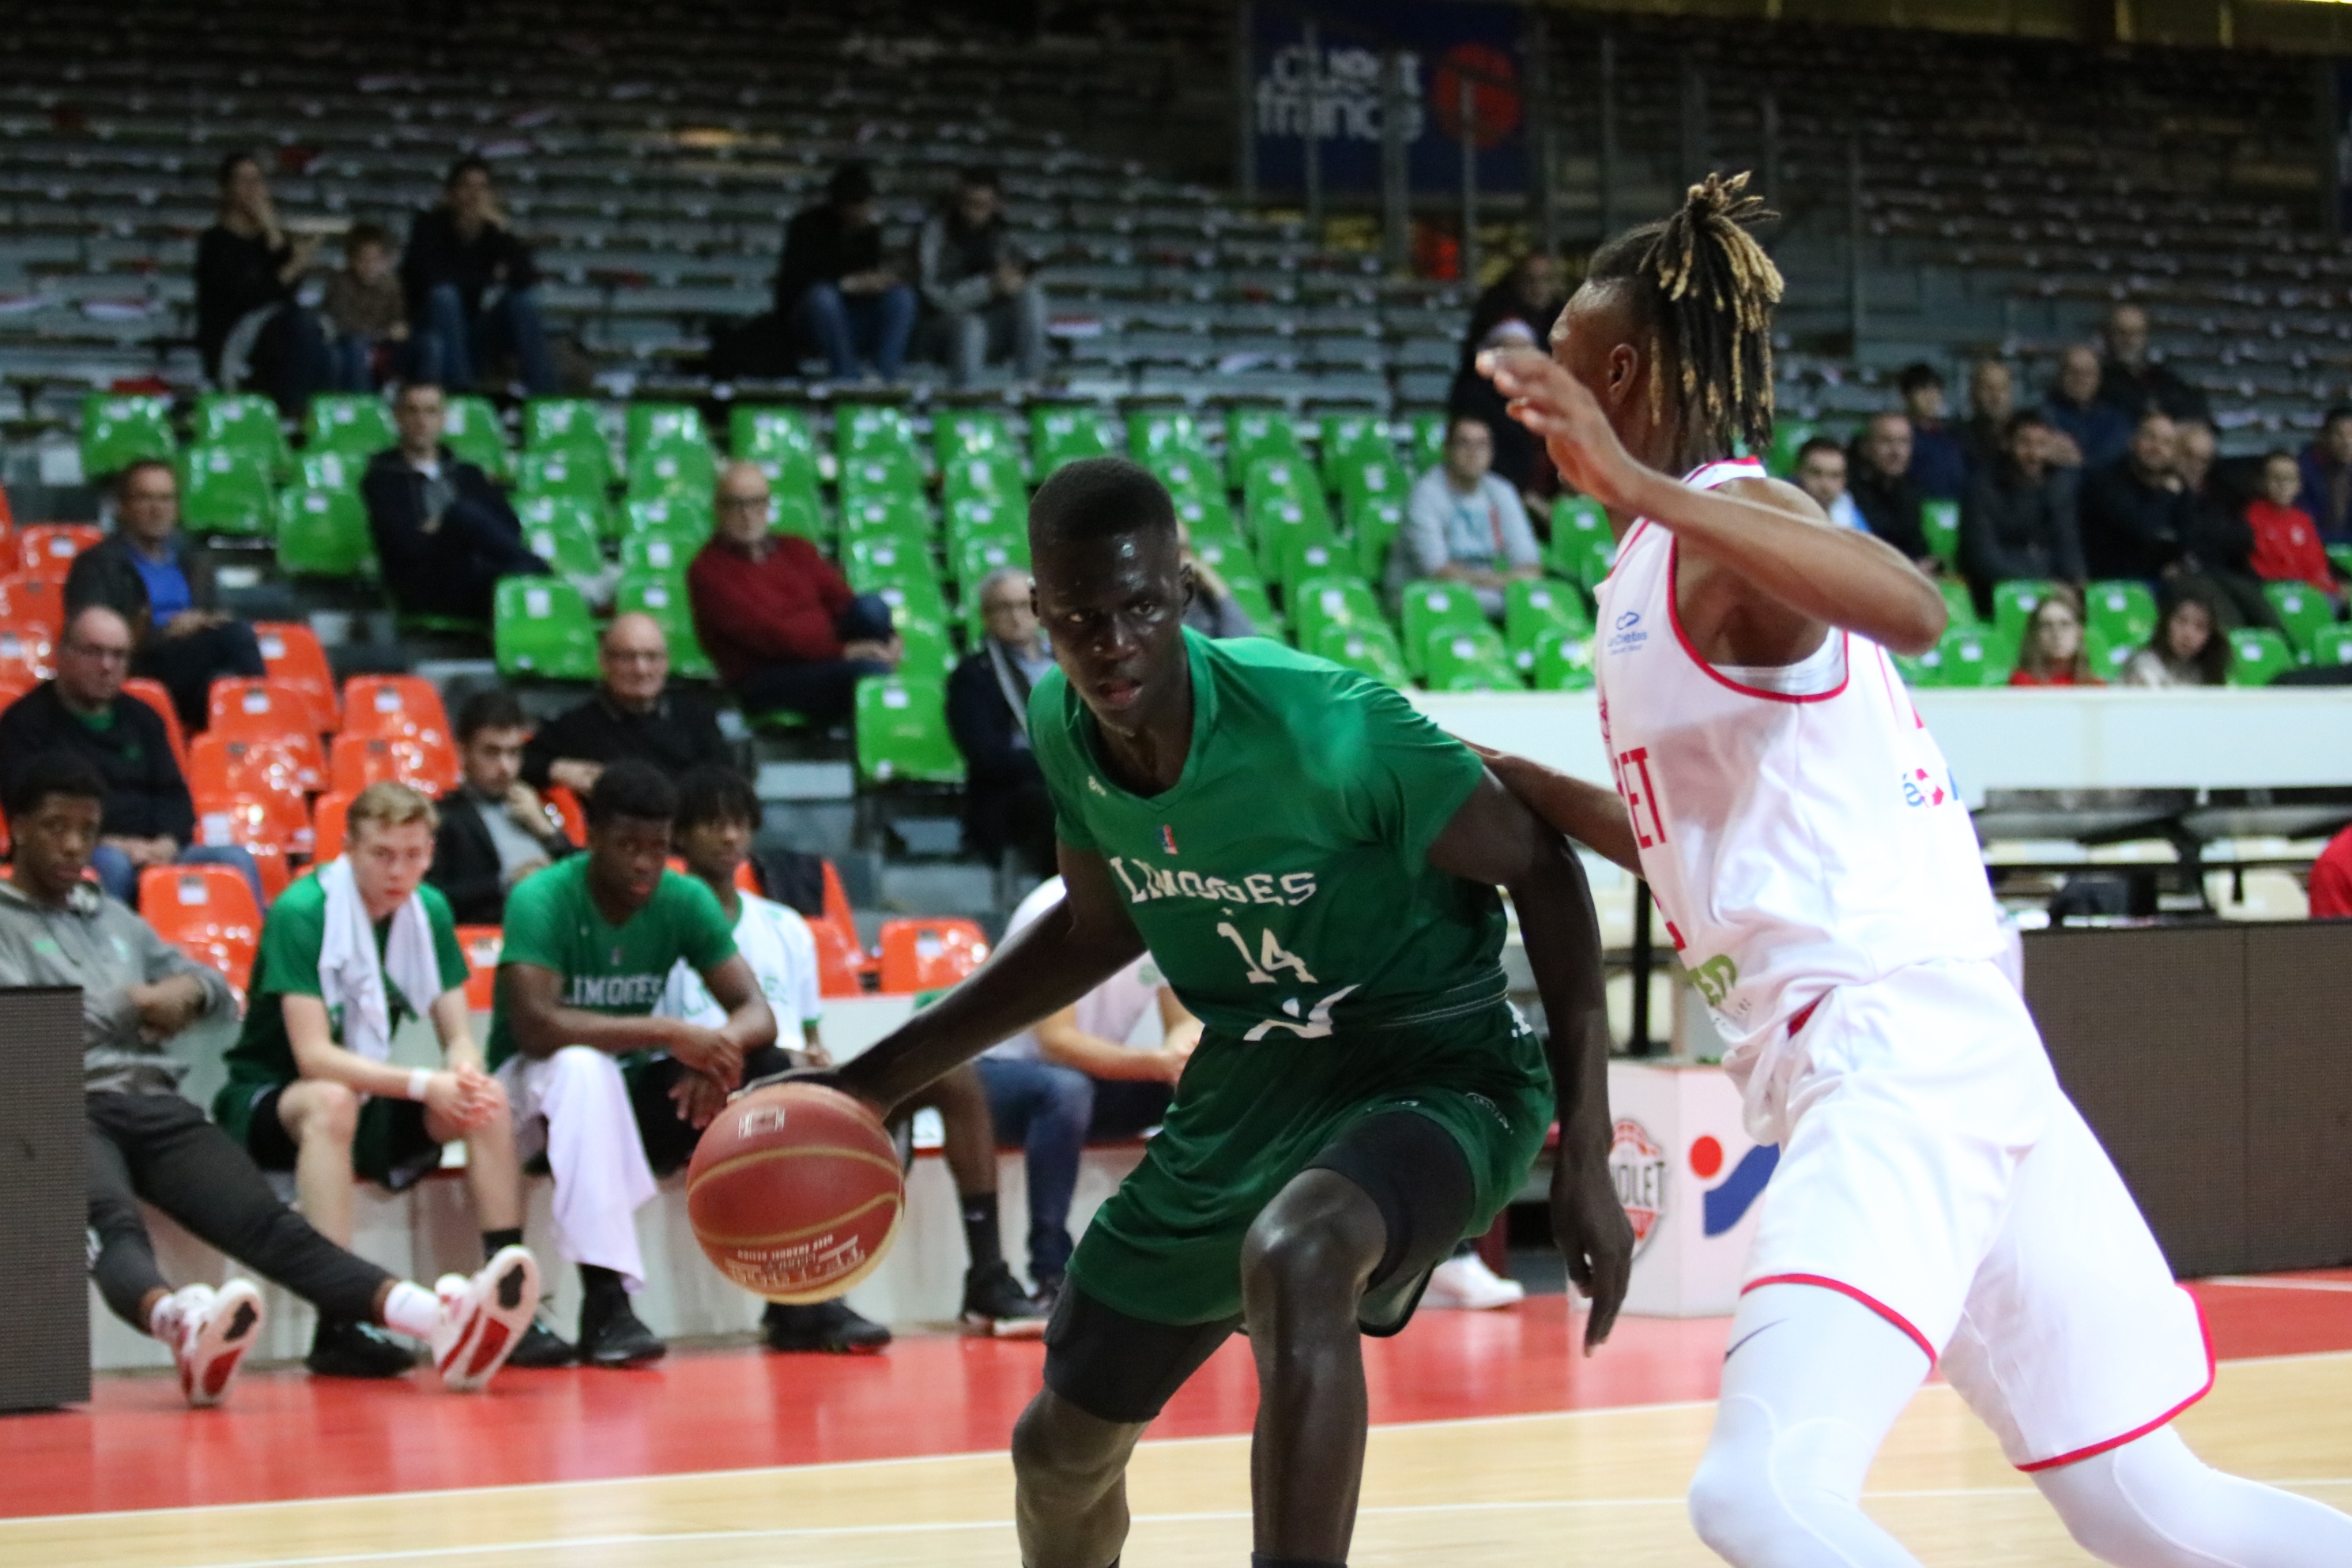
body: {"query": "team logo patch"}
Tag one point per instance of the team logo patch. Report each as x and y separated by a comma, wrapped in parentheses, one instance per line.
(1627, 634)
(1168, 838)
(1637, 1164)
(1920, 789)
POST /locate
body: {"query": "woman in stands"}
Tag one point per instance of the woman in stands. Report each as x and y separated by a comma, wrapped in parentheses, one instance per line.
(2187, 648)
(248, 323)
(2053, 654)
(1936, 1194)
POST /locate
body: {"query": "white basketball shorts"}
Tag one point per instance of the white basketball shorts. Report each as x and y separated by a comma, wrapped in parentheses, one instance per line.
(1938, 1173)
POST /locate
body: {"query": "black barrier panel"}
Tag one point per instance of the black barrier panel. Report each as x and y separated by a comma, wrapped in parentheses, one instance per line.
(2299, 1096)
(45, 1335)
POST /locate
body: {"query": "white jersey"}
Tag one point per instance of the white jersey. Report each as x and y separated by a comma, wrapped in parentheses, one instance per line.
(1109, 1012)
(1798, 826)
(775, 942)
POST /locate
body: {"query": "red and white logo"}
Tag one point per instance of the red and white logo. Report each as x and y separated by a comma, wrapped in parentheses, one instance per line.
(1637, 1164)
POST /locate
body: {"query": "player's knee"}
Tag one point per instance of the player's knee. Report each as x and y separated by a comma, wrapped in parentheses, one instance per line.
(1059, 1449)
(1764, 1492)
(585, 1066)
(1299, 1261)
(1733, 1508)
(327, 1112)
(1070, 1101)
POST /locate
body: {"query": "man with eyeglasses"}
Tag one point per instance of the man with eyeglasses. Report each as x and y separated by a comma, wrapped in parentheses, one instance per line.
(781, 623)
(148, 818)
(1005, 803)
(631, 714)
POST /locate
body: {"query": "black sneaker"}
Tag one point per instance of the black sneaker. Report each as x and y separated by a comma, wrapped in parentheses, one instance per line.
(541, 1346)
(344, 1349)
(611, 1336)
(828, 1326)
(994, 1303)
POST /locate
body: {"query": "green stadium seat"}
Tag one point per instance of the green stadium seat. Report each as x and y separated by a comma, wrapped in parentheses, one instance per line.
(1253, 435)
(662, 596)
(1276, 515)
(322, 534)
(927, 648)
(2303, 611)
(2108, 658)
(1064, 433)
(1968, 655)
(1468, 658)
(2258, 656)
(900, 515)
(1294, 555)
(247, 422)
(1186, 473)
(673, 471)
(902, 732)
(1320, 603)
(786, 481)
(1352, 441)
(986, 517)
(1374, 525)
(1231, 559)
(2121, 610)
(562, 531)
(976, 557)
(357, 423)
(1426, 448)
(564, 472)
(1788, 435)
(1427, 605)
(876, 563)
(540, 625)
(1562, 660)
(1532, 607)
(1165, 432)
(2013, 603)
(1252, 599)
(961, 433)
(1940, 521)
(1369, 648)
(660, 550)
(117, 430)
(780, 441)
(226, 490)
(1959, 604)
(471, 429)
(328, 472)
(1368, 480)
(1207, 517)
(794, 513)
(650, 425)
(993, 475)
(1581, 545)
(880, 473)
(685, 515)
(565, 425)
(2342, 555)
(872, 430)
(1281, 479)
(2332, 648)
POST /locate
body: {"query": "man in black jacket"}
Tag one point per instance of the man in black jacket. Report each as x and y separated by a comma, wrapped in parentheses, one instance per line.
(2017, 520)
(149, 817)
(2132, 384)
(834, 287)
(1005, 799)
(149, 572)
(495, 829)
(444, 534)
(1883, 489)
(472, 287)
(2133, 508)
(631, 714)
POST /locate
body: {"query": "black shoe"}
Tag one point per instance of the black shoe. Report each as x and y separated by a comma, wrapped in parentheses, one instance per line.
(541, 1346)
(994, 1303)
(1048, 1294)
(611, 1336)
(345, 1349)
(828, 1326)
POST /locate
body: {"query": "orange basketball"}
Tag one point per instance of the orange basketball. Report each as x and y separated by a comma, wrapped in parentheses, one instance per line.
(796, 1191)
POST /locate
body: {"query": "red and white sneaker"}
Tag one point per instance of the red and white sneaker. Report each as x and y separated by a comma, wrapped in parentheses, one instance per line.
(483, 1318)
(209, 1332)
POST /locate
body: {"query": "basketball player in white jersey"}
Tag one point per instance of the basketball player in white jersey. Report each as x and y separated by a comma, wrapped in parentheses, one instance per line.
(1937, 1196)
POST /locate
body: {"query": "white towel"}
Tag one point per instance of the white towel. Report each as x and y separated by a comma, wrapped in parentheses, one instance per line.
(351, 975)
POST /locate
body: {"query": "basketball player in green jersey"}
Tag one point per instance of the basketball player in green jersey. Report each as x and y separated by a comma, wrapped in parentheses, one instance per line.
(1313, 867)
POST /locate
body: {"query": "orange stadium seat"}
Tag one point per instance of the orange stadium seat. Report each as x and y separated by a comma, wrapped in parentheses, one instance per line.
(328, 814)
(926, 955)
(294, 657)
(265, 828)
(222, 765)
(49, 548)
(27, 600)
(28, 654)
(14, 684)
(482, 944)
(205, 912)
(840, 967)
(152, 693)
(260, 709)
(567, 807)
(393, 705)
(428, 763)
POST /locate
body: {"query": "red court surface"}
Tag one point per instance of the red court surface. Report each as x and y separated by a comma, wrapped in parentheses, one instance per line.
(284, 1435)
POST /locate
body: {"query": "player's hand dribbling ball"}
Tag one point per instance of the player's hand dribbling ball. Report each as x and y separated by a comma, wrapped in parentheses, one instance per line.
(796, 1191)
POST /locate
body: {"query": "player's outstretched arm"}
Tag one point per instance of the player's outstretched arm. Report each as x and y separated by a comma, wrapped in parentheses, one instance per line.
(1043, 968)
(1767, 538)
(1591, 814)
(1495, 838)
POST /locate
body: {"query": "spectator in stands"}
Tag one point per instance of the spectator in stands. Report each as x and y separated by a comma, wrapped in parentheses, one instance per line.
(778, 623)
(1879, 470)
(347, 955)
(2132, 384)
(1821, 474)
(2327, 477)
(834, 286)
(1518, 310)
(1005, 807)
(443, 533)
(160, 584)
(147, 1144)
(1213, 612)
(473, 288)
(2132, 507)
(495, 829)
(2286, 547)
(365, 309)
(1073, 1078)
(84, 710)
(2018, 519)
(1465, 524)
(2331, 880)
(1939, 463)
(598, 1084)
(2094, 434)
(248, 324)
(631, 714)
(1992, 398)
(2188, 647)
(2053, 654)
(2215, 538)
(981, 284)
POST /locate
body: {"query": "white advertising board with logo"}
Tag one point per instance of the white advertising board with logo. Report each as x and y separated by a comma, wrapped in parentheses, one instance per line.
(1691, 1181)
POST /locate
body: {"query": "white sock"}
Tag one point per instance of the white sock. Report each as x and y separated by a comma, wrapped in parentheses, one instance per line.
(164, 1322)
(412, 1310)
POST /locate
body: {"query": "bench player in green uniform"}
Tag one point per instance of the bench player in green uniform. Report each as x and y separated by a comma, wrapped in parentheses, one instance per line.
(1312, 865)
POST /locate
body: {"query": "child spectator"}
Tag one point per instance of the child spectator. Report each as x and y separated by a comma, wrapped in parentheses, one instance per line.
(2053, 653)
(2287, 540)
(2187, 648)
(365, 309)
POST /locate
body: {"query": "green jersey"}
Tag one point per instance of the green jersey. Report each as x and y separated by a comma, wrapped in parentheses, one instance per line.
(288, 965)
(553, 921)
(1283, 884)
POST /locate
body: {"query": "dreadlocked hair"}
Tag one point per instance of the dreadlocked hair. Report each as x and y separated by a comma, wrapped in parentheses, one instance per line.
(1706, 294)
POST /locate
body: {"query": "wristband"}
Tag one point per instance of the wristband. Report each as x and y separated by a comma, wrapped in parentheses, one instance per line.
(417, 1081)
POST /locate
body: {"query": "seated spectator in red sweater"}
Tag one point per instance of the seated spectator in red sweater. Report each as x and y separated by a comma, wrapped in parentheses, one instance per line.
(777, 619)
(2053, 653)
(2286, 540)
(2331, 880)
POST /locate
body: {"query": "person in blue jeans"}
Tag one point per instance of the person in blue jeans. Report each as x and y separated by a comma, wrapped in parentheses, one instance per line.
(472, 287)
(834, 287)
(1073, 1078)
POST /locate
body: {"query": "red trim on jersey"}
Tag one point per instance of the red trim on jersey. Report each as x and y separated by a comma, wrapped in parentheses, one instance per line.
(1675, 618)
(2136, 1433)
(1843, 1289)
(1803, 1016)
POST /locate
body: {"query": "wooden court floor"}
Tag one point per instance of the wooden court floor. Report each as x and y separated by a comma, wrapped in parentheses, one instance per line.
(1593, 1487)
